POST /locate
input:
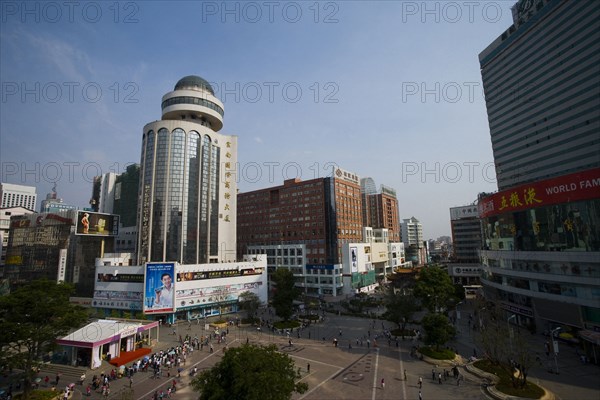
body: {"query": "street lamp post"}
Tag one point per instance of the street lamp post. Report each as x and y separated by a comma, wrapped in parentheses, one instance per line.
(510, 331)
(555, 347)
(481, 318)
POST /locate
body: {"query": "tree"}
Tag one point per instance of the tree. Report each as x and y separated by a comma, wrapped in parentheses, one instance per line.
(459, 292)
(434, 288)
(32, 318)
(284, 293)
(503, 345)
(492, 335)
(399, 308)
(249, 302)
(250, 372)
(438, 329)
(523, 357)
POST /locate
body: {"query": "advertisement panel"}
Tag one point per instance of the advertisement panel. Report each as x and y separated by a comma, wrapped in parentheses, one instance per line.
(91, 223)
(158, 288)
(353, 260)
(563, 189)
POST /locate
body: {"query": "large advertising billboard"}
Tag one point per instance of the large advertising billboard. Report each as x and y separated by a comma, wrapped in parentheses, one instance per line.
(159, 292)
(91, 223)
(563, 189)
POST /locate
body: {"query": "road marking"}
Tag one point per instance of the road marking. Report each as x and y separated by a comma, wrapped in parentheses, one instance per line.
(403, 371)
(375, 376)
(317, 362)
(214, 353)
(325, 380)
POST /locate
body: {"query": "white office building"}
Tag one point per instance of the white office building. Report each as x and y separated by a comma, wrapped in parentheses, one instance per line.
(17, 196)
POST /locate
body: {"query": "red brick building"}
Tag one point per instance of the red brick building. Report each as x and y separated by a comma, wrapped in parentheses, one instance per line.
(320, 213)
(381, 211)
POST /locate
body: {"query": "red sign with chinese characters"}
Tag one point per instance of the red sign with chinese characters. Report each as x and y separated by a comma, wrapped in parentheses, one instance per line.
(573, 187)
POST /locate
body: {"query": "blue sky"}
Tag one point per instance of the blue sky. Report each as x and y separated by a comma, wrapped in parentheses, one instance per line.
(389, 89)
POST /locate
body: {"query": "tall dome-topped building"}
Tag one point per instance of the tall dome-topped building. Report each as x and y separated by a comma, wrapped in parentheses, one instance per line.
(187, 205)
(194, 98)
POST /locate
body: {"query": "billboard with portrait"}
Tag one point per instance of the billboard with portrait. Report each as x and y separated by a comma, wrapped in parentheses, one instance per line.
(159, 291)
(96, 224)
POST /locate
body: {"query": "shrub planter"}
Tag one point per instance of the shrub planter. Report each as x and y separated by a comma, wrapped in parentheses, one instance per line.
(493, 380)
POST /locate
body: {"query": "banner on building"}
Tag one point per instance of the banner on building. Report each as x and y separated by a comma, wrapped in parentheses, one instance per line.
(563, 189)
(159, 291)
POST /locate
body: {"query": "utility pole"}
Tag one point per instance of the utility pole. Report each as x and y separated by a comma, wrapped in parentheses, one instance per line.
(555, 347)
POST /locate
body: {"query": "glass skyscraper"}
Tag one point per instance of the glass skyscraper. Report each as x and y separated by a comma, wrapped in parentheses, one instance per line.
(187, 196)
(542, 89)
(541, 231)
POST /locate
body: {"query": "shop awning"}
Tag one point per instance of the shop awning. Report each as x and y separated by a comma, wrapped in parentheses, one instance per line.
(590, 336)
(99, 332)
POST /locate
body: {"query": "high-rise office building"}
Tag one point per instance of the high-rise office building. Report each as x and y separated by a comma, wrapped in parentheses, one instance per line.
(541, 83)
(187, 195)
(103, 193)
(53, 203)
(467, 240)
(541, 231)
(5, 215)
(17, 196)
(367, 186)
(380, 209)
(466, 233)
(126, 196)
(118, 194)
(412, 237)
(322, 214)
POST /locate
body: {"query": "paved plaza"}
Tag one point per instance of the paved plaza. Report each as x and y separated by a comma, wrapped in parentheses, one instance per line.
(354, 371)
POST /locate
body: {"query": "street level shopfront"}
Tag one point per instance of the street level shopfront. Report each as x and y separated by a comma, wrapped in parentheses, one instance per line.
(103, 340)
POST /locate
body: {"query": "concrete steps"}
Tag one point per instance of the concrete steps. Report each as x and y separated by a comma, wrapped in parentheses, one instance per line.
(68, 374)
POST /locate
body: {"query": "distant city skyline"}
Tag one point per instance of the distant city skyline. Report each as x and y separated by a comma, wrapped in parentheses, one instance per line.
(389, 90)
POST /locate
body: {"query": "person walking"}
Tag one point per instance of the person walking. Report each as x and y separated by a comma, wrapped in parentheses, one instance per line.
(440, 378)
(382, 383)
(420, 395)
(420, 382)
(308, 368)
(405, 375)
